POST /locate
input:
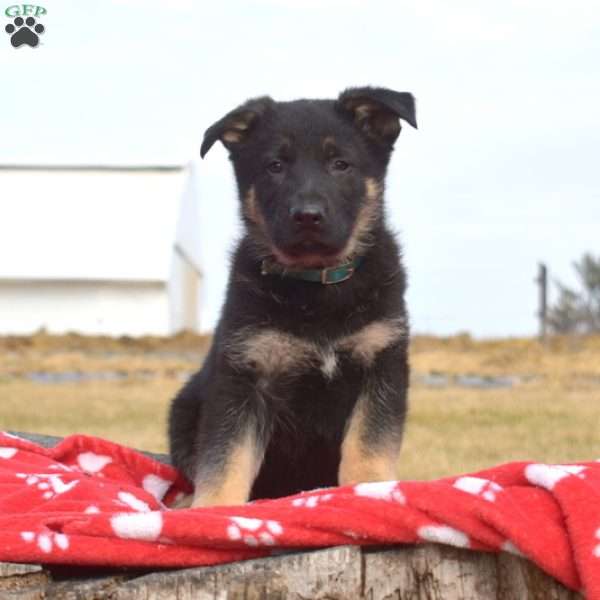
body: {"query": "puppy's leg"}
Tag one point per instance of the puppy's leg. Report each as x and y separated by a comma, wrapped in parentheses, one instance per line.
(373, 434)
(231, 437)
(367, 456)
(226, 472)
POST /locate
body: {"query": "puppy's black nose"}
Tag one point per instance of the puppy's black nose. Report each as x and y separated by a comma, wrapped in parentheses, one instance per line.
(307, 216)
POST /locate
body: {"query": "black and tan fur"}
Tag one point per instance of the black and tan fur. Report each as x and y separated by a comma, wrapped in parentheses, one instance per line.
(305, 384)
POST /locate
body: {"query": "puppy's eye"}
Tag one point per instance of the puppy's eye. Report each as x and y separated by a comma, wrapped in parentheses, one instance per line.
(340, 165)
(275, 166)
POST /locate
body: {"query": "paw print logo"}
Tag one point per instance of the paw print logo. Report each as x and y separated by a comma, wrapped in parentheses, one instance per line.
(24, 32)
(254, 532)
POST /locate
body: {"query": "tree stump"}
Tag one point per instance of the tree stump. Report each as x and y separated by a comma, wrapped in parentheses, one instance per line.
(427, 572)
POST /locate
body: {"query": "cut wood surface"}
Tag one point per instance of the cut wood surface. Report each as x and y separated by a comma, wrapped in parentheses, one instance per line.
(427, 572)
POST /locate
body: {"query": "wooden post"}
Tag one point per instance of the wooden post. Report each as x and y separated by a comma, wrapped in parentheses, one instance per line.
(542, 281)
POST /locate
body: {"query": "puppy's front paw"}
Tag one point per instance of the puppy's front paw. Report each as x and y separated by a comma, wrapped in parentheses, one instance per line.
(365, 474)
(220, 497)
(183, 502)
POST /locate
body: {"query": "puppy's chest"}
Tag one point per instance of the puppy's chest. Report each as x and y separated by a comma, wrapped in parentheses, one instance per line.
(272, 354)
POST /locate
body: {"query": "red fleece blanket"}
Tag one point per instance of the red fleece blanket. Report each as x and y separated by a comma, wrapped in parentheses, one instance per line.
(92, 502)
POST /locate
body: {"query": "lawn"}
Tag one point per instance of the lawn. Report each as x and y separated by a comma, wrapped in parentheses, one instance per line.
(530, 401)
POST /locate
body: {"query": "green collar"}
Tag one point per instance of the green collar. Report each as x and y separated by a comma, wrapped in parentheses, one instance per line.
(325, 276)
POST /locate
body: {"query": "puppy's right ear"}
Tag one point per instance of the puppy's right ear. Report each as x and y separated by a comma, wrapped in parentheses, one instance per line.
(235, 127)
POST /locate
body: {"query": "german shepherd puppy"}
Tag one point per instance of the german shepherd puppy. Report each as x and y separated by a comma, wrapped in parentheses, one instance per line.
(306, 381)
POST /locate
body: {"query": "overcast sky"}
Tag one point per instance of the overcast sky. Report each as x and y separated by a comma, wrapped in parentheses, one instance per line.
(502, 172)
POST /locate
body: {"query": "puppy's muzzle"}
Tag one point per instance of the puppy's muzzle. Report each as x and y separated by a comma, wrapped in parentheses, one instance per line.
(307, 217)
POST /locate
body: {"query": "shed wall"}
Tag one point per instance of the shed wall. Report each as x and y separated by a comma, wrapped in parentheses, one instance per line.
(88, 307)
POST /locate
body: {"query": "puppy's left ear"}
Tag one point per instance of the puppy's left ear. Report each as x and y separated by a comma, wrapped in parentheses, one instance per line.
(377, 111)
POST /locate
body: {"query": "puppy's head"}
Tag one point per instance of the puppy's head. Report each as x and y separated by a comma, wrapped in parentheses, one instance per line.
(310, 172)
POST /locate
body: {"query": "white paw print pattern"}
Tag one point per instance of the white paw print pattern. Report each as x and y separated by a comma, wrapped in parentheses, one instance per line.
(138, 526)
(311, 501)
(353, 534)
(383, 490)
(60, 467)
(90, 462)
(596, 550)
(547, 476)
(155, 485)
(7, 452)
(508, 546)
(477, 486)
(444, 534)
(133, 502)
(46, 542)
(254, 532)
(50, 485)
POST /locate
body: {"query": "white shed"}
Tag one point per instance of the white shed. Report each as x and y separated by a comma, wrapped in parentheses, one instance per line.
(99, 249)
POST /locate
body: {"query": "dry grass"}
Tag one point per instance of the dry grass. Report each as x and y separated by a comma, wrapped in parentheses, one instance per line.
(20, 355)
(130, 412)
(457, 430)
(561, 358)
(554, 415)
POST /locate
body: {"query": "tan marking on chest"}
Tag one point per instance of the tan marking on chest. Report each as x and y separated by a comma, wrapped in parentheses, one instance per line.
(272, 352)
(366, 343)
(329, 363)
